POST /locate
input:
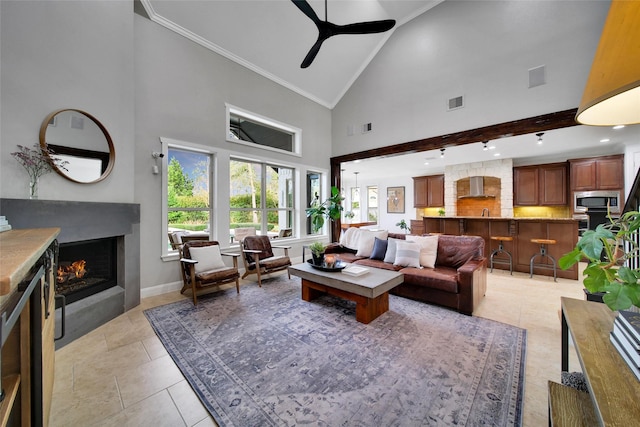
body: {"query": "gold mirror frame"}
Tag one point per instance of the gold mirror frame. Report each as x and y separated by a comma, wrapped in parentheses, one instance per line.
(77, 152)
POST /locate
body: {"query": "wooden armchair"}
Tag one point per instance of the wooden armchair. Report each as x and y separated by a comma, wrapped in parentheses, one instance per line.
(202, 266)
(259, 258)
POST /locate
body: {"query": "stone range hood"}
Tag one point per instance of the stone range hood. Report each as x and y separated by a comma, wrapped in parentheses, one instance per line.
(501, 169)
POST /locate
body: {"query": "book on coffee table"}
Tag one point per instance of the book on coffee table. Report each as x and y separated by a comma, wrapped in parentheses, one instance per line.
(354, 270)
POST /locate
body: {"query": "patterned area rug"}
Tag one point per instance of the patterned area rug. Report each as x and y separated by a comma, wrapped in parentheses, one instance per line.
(265, 357)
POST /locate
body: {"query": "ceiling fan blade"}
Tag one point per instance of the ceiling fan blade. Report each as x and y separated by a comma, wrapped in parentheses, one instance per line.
(366, 27)
(312, 52)
(307, 10)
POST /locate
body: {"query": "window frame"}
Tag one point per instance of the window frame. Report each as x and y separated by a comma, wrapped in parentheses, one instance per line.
(263, 210)
(257, 118)
(167, 253)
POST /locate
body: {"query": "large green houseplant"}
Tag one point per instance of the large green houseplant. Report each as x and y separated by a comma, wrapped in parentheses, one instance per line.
(330, 209)
(607, 249)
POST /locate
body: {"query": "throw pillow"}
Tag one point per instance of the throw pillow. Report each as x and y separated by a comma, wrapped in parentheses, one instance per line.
(208, 257)
(407, 254)
(390, 256)
(349, 239)
(379, 249)
(367, 239)
(428, 249)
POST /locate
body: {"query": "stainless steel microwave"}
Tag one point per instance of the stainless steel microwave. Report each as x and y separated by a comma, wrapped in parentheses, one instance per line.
(584, 200)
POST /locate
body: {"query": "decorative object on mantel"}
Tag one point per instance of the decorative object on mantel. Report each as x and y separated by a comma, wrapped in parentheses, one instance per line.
(37, 162)
(607, 249)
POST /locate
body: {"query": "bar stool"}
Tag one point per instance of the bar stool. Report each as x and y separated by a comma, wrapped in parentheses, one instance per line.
(500, 250)
(543, 252)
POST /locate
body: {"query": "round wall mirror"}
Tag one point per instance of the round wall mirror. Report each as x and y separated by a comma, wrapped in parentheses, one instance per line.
(79, 139)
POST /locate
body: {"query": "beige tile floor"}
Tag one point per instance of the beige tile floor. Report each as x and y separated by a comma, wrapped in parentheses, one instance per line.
(121, 375)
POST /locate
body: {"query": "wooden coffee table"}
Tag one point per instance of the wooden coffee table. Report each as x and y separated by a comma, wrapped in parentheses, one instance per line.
(370, 291)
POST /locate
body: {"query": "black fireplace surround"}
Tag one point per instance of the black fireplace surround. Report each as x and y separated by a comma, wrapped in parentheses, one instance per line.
(84, 223)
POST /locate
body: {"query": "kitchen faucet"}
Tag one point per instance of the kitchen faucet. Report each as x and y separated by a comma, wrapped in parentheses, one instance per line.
(487, 210)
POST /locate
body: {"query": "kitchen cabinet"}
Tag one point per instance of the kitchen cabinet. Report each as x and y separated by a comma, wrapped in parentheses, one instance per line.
(428, 191)
(540, 185)
(27, 292)
(597, 173)
(417, 227)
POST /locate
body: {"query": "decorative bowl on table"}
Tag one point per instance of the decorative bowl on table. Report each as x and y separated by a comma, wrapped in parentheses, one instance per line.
(337, 266)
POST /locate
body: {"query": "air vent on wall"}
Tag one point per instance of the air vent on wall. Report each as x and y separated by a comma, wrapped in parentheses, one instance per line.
(537, 76)
(455, 103)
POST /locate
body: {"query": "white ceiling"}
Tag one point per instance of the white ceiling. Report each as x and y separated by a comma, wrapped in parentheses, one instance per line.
(557, 145)
(272, 37)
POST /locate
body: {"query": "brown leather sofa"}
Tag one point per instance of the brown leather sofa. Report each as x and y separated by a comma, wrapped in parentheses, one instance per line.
(458, 281)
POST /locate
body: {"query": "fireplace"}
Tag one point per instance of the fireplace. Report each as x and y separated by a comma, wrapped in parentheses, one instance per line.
(104, 238)
(86, 268)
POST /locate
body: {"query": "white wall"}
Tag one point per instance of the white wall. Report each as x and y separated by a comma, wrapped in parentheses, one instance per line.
(481, 50)
(181, 90)
(66, 54)
(82, 54)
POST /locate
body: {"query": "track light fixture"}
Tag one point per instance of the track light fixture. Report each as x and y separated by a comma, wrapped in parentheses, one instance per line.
(442, 153)
(484, 145)
(539, 135)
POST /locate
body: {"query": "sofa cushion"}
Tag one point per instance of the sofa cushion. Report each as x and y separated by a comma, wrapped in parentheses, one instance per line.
(407, 254)
(208, 257)
(440, 278)
(366, 240)
(454, 251)
(390, 255)
(379, 249)
(428, 249)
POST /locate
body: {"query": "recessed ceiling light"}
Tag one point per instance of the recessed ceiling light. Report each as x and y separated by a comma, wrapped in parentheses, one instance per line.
(496, 155)
(426, 163)
(605, 140)
(492, 147)
(618, 127)
(357, 161)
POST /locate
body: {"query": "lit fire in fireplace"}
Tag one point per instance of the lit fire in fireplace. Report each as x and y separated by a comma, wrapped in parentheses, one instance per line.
(75, 270)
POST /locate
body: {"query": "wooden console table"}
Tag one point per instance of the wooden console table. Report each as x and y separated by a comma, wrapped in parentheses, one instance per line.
(613, 388)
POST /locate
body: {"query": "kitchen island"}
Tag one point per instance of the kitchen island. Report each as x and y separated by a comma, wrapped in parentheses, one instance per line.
(522, 230)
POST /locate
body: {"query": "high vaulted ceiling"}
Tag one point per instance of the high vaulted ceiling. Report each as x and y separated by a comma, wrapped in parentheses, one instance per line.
(272, 37)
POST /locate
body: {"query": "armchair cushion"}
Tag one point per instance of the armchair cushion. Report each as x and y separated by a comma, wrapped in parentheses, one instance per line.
(208, 257)
(258, 243)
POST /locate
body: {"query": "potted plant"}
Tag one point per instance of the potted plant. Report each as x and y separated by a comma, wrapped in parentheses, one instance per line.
(317, 252)
(403, 226)
(330, 209)
(607, 248)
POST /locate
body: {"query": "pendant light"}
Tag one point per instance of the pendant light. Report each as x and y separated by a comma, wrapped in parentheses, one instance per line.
(612, 93)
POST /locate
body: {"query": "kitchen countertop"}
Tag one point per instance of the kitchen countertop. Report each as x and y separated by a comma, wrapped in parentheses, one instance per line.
(502, 218)
(19, 250)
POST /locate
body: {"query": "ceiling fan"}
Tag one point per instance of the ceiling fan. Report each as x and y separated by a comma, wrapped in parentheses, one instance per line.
(328, 29)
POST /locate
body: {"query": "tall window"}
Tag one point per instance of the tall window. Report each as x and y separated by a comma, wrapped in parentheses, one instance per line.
(188, 191)
(262, 197)
(372, 204)
(313, 196)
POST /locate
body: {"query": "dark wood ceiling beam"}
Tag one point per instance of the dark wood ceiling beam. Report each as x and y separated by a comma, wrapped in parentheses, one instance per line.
(560, 119)
(543, 123)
